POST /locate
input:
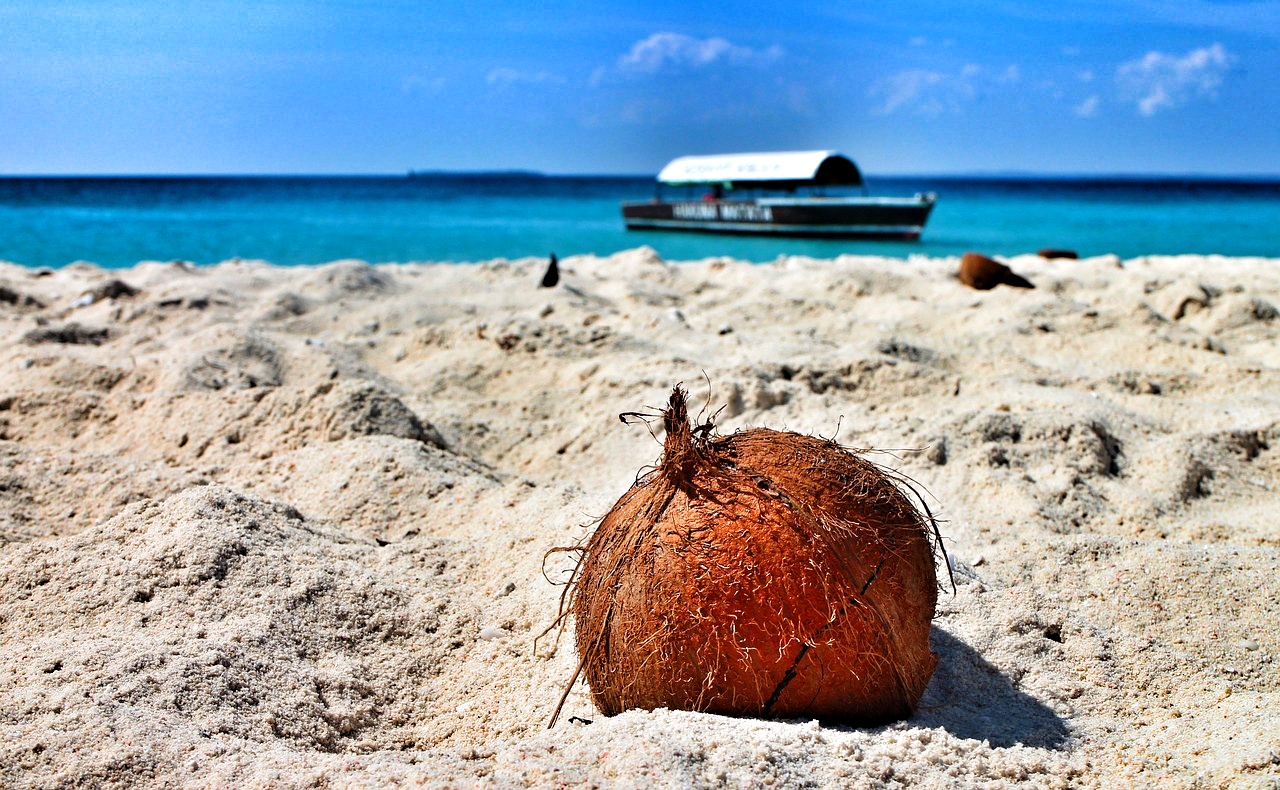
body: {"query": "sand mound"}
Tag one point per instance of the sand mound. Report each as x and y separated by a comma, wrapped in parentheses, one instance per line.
(208, 619)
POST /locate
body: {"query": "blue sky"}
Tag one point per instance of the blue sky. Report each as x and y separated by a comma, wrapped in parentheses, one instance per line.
(381, 86)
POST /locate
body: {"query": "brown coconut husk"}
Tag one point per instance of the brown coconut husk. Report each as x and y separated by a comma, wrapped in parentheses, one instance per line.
(1051, 253)
(764, 573)
(982, 273)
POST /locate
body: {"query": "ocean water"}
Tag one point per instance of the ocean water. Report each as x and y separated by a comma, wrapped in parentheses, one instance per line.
(118, 221)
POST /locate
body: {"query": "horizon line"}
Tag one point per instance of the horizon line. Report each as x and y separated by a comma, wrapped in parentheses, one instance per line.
(530, 173)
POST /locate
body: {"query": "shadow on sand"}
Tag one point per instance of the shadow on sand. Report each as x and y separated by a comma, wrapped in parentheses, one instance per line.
(970, 698)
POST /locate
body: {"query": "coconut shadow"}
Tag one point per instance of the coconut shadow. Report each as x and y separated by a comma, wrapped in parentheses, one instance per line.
(970, 698)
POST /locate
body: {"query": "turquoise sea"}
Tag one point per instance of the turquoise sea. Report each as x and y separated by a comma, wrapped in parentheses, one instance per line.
(118, 221)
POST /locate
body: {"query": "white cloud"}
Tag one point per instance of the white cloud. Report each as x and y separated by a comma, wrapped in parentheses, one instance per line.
(718, 80)
(503, 76)
(418, 83)
(1160, 81)
(927, 92)
(915, 88)
(797, 98)
(1087, 108)
(663, 51)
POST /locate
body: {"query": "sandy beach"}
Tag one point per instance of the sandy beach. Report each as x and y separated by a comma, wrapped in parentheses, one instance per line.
(271, 526)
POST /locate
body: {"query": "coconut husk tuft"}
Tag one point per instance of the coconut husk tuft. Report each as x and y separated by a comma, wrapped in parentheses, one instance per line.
(763, 573)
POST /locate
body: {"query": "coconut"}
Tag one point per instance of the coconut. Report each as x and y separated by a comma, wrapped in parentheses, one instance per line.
(982, 273)
(764, 573)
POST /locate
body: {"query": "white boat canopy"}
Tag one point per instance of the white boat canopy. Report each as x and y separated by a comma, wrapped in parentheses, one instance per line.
(796, 167)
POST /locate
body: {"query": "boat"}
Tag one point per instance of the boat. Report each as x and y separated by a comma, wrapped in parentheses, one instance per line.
(791, 193)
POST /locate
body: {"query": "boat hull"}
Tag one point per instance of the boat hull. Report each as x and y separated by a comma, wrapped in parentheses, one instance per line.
(884, 218)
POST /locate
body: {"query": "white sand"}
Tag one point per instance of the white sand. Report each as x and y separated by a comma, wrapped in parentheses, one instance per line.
(286, 526)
